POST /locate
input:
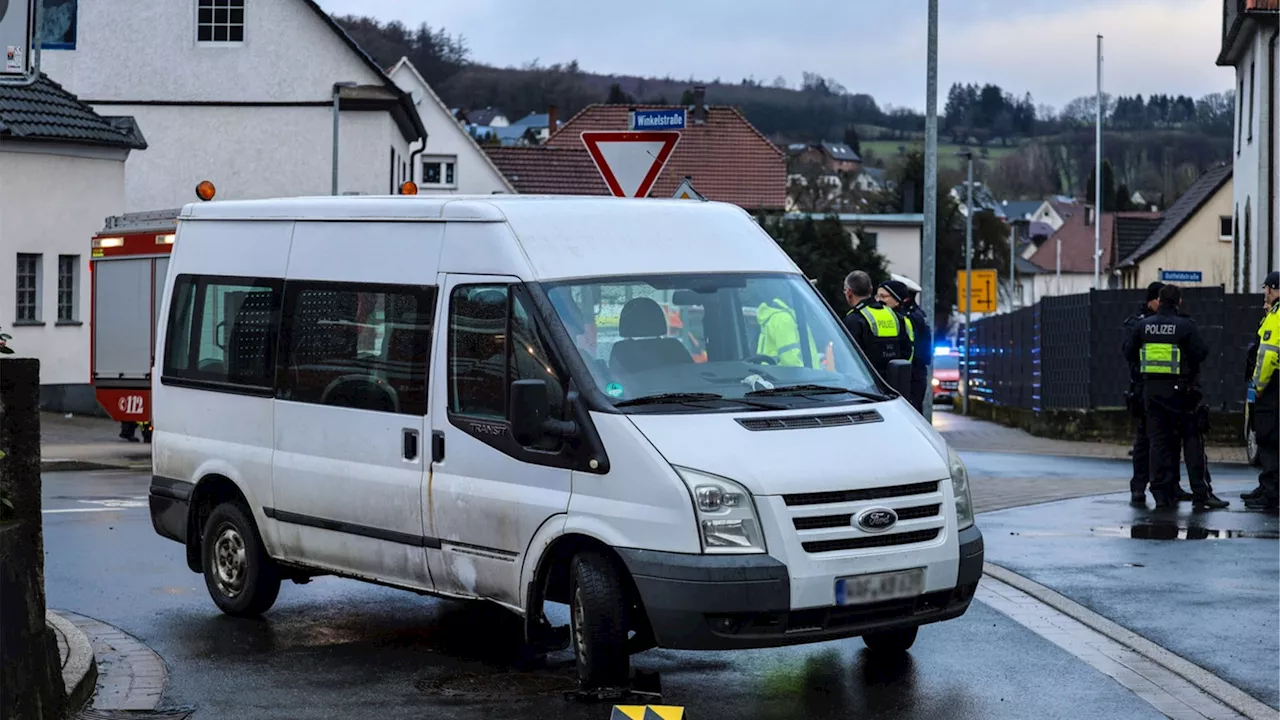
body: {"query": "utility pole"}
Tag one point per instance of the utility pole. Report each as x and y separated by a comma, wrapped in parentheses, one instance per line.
(1098, 201)
(968, 277)
(928, 253)
(1013, 247)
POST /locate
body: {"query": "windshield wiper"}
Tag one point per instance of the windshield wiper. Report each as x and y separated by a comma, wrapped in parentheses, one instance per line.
(692, 397)
(785, 390)
(674, 397)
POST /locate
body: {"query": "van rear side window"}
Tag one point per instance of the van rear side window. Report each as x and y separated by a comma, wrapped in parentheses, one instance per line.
(364, 347)
(222, 333)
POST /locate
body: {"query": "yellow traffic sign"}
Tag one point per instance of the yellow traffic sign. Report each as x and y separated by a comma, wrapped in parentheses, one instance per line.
(647, 712)
(983, 292)
(686, 191)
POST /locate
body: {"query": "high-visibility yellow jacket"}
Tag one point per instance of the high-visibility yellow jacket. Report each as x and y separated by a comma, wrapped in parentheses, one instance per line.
(1268, 362)
(780, 336)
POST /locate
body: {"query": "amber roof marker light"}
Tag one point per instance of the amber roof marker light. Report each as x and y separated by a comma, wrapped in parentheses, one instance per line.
(409, 188)
(205, 190)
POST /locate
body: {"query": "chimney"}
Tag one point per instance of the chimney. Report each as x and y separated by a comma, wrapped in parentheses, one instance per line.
(909, 198)
(699, 113)
(552, 116)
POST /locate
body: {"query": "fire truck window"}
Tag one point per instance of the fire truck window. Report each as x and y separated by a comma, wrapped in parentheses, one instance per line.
(223, 331)
(357, 346)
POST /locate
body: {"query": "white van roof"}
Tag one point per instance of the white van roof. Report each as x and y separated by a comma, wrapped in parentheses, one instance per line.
(560, 236)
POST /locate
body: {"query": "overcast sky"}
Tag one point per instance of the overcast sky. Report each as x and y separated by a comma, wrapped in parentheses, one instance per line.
(1045, 47)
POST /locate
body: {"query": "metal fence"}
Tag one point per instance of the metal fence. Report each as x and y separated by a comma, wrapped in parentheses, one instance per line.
(1065, 352)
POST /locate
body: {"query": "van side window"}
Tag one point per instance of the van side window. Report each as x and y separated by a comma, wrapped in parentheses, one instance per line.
(482, 364)
(478, 351)
(222, 331)
(356, 346)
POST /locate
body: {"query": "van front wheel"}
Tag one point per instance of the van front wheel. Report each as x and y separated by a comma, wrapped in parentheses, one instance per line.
(241, 577)
(598, 616)
(891, 642)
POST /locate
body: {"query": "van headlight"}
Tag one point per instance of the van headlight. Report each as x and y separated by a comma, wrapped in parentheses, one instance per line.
(726, 513)
(960, 487)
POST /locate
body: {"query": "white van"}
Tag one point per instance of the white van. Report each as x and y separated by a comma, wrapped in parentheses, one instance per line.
(485, 398)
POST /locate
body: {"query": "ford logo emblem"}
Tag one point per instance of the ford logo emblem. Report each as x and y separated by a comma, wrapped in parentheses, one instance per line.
(877, 519)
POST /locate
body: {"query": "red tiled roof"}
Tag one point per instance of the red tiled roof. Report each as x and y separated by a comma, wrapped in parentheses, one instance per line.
(1077, 242)
(548, 171)
(728, 159)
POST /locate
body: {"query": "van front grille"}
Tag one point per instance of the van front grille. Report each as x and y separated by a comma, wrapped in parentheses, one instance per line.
(825, 522)
(860, 543)
(843, 496)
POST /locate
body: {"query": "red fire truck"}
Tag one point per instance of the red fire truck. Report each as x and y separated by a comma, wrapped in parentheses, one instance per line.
(128, 265)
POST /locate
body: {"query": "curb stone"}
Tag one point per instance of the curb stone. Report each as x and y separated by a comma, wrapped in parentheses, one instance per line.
(1216, 687)
(79, 667)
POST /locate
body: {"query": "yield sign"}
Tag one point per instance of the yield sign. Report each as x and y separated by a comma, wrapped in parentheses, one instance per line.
(630, 162)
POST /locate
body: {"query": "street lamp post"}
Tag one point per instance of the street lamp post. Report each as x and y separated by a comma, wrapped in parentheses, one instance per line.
(968, 277)
(337, 94)
(928, 257)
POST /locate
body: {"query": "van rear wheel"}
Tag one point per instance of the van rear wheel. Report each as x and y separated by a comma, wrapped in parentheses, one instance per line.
(891, 642)
(598, 614)
(242, 579)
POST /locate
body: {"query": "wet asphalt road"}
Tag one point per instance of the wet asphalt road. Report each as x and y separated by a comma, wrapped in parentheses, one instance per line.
(1205, 585)
(336, 648)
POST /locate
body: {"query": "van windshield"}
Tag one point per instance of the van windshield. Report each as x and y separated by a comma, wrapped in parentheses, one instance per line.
(711, 341)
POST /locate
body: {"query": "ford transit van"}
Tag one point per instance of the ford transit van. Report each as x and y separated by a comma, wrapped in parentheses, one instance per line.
(489, 398)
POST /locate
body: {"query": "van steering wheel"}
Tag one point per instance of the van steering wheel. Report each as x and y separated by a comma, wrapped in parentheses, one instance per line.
(761, 360)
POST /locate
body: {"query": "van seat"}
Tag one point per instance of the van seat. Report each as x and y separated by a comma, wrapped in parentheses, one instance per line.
(645, 345)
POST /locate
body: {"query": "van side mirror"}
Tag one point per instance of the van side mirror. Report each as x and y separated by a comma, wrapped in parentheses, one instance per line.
(899, 376)
(530, 411)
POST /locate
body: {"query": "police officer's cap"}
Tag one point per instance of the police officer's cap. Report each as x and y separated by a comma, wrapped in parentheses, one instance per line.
(897, 289)
(1272, 281)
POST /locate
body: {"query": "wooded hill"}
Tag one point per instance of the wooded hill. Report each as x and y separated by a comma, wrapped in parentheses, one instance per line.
(1157, 144)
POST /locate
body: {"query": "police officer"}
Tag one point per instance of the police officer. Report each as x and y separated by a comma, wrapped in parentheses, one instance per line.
(897, 296)
(1264, 393)
(1133, 400)
(879, 331)
(1169, 350)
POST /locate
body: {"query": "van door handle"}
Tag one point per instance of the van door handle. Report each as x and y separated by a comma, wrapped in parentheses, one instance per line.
(437, 446)
(410, 444)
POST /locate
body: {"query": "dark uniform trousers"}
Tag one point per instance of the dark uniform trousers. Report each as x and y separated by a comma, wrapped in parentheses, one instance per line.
(1171, 426)
(1266, 423)
(1141, 454)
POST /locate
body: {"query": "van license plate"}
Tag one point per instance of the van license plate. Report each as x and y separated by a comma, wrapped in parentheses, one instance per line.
(879, 587)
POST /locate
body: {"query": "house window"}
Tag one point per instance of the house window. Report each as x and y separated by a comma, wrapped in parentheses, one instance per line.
(68, 288)
(28, 307)
(439, 171)
(869, 240)
(1240, 120)
(220, 21)
(1253, 83)
(1224, 228)
(58, 24)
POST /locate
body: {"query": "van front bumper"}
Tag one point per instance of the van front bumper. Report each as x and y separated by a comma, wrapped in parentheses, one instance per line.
(727, 602)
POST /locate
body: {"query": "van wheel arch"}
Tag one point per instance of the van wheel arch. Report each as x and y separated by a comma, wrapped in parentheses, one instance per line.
(210, 492)
(552, 581)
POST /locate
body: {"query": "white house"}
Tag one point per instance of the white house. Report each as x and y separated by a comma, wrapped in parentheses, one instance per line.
(62, 171)
(895, 236)
(236, 92)
(451, 162)
(1249, 38)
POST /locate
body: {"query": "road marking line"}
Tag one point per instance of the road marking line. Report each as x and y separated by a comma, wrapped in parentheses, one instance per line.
(85, 510)
(1169, 683)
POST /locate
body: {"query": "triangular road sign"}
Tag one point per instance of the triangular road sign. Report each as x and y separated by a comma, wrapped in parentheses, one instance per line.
(630, 162)
(686, 191)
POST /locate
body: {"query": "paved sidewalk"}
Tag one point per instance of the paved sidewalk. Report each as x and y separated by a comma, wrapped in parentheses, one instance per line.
(980, 435)
(131, 676)
(88, 443)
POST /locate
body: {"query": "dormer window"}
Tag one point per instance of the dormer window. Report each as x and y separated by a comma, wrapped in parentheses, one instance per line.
(220, 21)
